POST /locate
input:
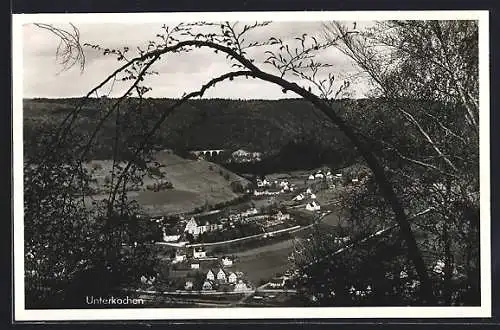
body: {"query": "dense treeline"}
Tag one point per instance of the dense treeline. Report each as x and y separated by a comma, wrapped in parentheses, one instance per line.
(266, 126)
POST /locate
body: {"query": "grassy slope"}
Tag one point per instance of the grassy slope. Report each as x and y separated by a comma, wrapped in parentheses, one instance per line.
(194, 184)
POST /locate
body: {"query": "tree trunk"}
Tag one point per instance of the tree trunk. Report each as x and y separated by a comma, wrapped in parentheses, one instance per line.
(386, 188)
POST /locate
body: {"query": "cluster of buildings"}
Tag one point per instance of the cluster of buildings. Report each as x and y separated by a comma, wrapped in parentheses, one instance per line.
(218, 274)
(310, 197)
(271, 188)
(222, 279)
(321, 175)
(215, 221)
(244, 156)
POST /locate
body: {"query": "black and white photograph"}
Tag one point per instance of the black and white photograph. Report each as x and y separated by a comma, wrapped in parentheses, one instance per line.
(251, 165)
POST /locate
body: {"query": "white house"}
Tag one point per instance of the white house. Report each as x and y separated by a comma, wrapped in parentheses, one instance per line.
(319, 176)
(249, 212)
(311, 177)
(188, 285)
(284, 184)
(192, 227)
(195, 266)
(308, 191)
(338, 175)
(180, 256)
(299, 197)
(210, 275)
(277, 283)
(147, 280)
(282, 216)
(313, 206)
(241, 287)
(227, 262)
(207, 286)
(221, 276)
(263, 183)
(232, 278)
(199, 253)
(170, 238)
(355, 180)
(313, 196)
(341, 240)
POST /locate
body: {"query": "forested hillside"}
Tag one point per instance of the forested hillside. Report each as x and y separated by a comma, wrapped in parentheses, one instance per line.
(260, 125)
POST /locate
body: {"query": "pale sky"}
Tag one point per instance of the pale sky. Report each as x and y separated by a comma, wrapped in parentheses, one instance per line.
(178, 73)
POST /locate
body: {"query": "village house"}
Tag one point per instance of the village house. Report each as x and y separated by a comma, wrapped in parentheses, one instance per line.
(319, 175)
(246, 156)
(232, 278)
(249, 212)
(308, 191)
(207, 285)
(311, 177)
(195, 266)
(241, 287)
(188, 285)
(282, 216)
(149, 280)
(210, 275)
(341, 240)
(221, 276)
(277, 282)
(227, 262)
(263, 183)
(195, 228)
(299, 197)
(313, 206)
(180, 256)
(199, 253)
(170, 237)
(313, 196)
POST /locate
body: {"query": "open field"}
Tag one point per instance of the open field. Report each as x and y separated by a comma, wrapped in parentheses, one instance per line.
(264, 262)
(195, 184)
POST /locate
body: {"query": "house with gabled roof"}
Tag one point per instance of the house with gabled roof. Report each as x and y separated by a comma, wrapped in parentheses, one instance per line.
(227, 262)
(241, 287)
(313, 206)
(199, 253)
(210, 275)
(232, 277)
(189, 285)
(221, 275)
(207, 285)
